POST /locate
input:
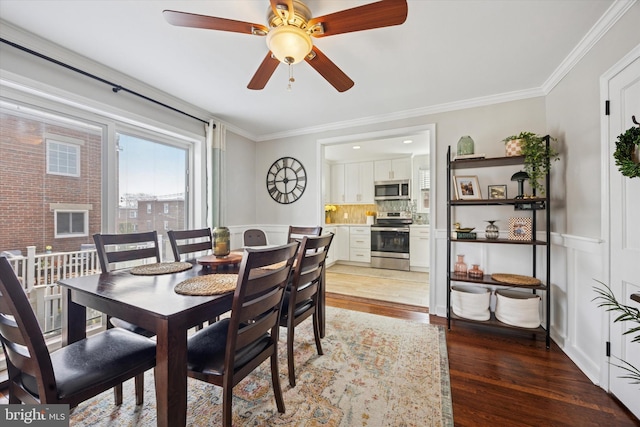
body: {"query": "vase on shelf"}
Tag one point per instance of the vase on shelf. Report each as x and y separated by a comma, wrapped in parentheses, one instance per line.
(221, 241)
(492, 231)
(475, 272)
(460, 268)
(465, 146)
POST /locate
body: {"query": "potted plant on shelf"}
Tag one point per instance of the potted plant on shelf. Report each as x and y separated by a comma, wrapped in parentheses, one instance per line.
(537, 159)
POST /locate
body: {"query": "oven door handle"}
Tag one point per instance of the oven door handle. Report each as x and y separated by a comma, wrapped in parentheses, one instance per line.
(398, 229)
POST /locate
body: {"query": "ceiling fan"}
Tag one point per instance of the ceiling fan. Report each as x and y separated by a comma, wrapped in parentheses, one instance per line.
(289, 31)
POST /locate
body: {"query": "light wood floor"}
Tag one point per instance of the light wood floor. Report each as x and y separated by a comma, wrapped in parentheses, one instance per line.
(402, 287)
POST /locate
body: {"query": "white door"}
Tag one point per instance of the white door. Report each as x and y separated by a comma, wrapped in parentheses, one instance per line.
(624, 196)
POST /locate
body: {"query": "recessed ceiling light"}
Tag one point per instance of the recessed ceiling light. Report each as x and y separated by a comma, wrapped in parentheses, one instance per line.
(356, 147)
(407, 141)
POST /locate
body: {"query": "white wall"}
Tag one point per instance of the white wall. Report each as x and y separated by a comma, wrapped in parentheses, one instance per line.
(241, 178)
(573, 110)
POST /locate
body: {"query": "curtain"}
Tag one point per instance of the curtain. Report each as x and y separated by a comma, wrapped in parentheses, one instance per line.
(216, 148)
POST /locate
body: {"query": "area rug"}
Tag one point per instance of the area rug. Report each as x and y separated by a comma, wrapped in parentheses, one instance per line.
(376, 371)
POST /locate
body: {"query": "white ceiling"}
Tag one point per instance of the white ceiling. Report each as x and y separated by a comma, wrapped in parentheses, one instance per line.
(447, 53)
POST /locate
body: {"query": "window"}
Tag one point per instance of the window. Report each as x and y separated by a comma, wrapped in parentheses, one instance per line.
(149, 210)
(166, 225)
(71, 223)
(166, 208)
(133, 214)
(63, 158)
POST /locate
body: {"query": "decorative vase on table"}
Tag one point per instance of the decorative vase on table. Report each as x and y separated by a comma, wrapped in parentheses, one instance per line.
(492, 231)
(465, 146)
(460, 268)
(221, 241)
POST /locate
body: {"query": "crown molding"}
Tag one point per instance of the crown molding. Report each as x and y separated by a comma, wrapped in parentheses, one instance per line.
(604, 24)
(406, 114)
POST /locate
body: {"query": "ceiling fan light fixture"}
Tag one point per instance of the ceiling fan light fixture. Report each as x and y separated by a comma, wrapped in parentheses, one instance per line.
(289, 42)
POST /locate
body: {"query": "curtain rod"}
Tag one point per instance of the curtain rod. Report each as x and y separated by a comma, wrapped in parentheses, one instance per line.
(114, 86)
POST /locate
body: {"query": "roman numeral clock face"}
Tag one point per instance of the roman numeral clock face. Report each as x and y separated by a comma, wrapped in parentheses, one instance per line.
(286, 180)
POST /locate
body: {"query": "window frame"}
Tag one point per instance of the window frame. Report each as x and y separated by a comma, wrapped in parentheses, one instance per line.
(49, 141)
(85, 232)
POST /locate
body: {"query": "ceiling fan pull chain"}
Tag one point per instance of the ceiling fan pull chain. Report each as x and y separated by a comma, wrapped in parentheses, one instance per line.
(291, 79)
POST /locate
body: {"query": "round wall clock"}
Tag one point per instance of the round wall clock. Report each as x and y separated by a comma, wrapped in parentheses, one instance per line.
(286, 180)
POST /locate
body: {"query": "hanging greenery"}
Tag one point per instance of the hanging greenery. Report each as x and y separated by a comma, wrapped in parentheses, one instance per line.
(624, 154)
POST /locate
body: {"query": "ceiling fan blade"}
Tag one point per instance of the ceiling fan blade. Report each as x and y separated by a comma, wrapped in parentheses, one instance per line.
(329, 71)
(184, 19)
(383, 13)
(264, 73)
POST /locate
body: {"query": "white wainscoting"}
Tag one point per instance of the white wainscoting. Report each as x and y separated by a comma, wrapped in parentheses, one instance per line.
(577, 325)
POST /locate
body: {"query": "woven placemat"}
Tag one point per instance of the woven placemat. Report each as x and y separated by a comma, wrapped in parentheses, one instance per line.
(515, 279)
(211, 284)
(160, 268)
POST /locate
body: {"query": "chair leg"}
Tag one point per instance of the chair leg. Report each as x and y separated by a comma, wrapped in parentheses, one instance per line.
(117, 394)
(275, 379)
(139, 386)
(316, 331)
(227, 400)
(290, 355)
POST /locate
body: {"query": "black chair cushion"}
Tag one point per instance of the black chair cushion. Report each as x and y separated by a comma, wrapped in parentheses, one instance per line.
(301, 307)
(95, 360)
(119, 323)
(206, 349)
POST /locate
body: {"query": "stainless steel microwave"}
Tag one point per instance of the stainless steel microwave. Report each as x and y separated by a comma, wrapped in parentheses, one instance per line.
(392, 190)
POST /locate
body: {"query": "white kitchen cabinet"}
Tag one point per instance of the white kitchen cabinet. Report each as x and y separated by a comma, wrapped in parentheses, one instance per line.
(391, 169)
(341, 243)
(337, 184)
(332, 255)
(360, 244)
(419, 247)
(358, 182)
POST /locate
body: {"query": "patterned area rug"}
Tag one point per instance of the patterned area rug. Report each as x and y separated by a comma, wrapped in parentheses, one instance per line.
(376, 371)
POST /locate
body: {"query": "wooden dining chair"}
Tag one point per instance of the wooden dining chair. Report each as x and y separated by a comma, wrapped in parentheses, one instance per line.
(118, 248)
(254, 237)
(73, 373)
(188, 242)
(229, 350)
(303, 296)
(185, 242)
(297, 233)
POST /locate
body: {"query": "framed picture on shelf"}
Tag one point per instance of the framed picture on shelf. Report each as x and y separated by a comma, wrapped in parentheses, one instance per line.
(467, 187)
(520, 229)
(497, 192)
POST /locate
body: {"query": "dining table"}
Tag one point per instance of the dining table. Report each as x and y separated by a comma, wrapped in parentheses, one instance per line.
(151, 302)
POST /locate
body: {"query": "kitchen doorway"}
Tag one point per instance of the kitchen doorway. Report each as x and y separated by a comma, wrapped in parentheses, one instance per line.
(384, 285)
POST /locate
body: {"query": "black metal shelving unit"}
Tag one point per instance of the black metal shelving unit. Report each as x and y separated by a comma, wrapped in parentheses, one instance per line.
(536, 206)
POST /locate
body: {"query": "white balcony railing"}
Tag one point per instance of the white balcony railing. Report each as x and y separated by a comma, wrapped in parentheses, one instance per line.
(39, 273)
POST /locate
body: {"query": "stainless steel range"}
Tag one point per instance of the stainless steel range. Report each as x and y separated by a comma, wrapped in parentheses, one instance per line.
(390, 241)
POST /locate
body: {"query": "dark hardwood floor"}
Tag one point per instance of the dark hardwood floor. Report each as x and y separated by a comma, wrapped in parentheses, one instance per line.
(506, 378)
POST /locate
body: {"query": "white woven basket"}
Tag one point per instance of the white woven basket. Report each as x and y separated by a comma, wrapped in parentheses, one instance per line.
(518, 308)
(471, 302)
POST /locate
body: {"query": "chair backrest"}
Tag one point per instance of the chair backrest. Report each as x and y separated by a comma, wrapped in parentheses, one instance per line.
(297, 233)
(254, 237)
(257, 300)
(309, 266)
(114, 248)
(190, 241)
(23, 342)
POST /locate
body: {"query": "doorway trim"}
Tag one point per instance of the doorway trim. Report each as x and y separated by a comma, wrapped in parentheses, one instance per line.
(605, 200)
(430, 131)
